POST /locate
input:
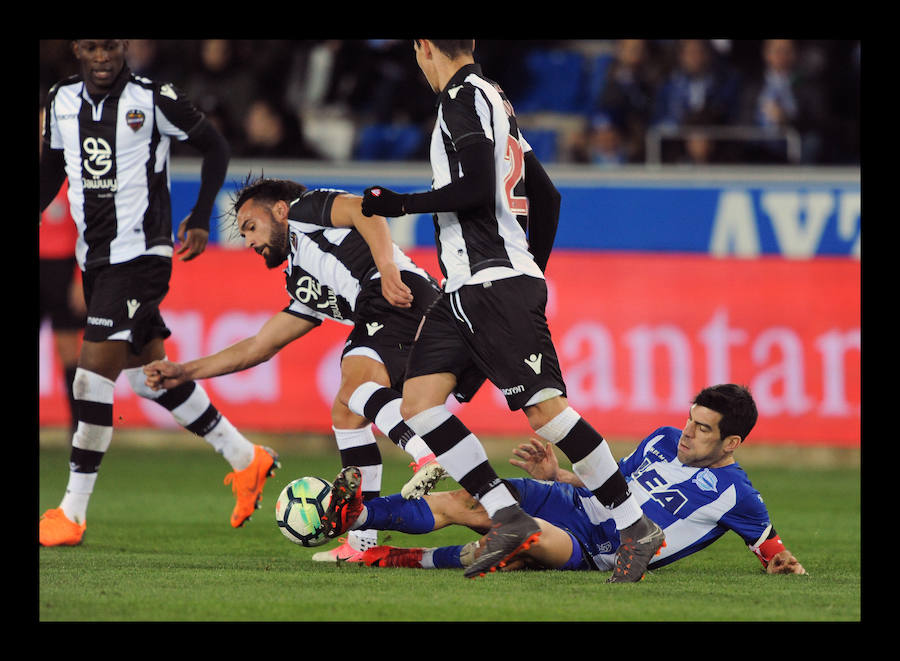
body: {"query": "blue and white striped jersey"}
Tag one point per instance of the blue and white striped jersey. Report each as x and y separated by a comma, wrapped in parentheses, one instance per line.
(694, 506)
(329, 266)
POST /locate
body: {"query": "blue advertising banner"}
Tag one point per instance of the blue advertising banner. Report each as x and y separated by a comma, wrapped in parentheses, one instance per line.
(792, 212)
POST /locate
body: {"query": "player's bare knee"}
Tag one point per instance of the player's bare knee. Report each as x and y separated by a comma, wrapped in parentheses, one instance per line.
(343, 418)
(543, 411)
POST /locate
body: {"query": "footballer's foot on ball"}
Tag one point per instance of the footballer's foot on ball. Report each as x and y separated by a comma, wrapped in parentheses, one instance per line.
(247, 484)
(428, 472)
(392, 556)
(639, 543)
(512, 532)
(56, 529)
(346, 502)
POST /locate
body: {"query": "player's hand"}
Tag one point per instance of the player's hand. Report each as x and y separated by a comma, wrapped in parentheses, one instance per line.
(537, 459)
(193, 241)
(163, 375)
(381, 201)
(393, 288)
(784, 562)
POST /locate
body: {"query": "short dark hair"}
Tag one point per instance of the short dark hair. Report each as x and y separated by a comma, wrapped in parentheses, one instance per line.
(266, 190)
(453, 48)
(736, 406)
(261, 189)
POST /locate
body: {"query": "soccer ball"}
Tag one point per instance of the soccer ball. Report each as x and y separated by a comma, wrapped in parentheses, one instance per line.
(299, 510)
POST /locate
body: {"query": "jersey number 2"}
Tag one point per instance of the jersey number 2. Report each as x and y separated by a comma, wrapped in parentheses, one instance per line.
(517, 204)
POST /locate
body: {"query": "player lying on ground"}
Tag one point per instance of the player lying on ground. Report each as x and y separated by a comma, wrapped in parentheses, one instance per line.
(687, 481)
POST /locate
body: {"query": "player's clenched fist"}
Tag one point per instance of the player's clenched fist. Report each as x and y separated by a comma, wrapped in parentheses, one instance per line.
(163, 374)
(381, 201)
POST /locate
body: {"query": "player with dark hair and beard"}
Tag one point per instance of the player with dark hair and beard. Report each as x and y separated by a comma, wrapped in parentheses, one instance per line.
(342, 266)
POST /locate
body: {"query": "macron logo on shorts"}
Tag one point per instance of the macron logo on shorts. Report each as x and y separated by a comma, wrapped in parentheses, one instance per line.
(534, 362)
(132, 305)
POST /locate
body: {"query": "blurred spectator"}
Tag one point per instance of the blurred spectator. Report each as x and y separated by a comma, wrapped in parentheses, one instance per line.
(603, 144)
(625, 105)
(374, 79)
(269, 61)
(56, 63)
(844, 101)
(785, 96)
(272, 131)
(310, 74)
(221, 86)
(356, 83)
(150, 58)
(699, 148)
(701, 90)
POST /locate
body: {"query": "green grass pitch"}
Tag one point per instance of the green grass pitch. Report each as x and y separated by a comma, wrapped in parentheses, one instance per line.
(159, 548)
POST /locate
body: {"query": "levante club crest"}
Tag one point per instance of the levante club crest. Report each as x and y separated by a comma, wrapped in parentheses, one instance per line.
(135, 119)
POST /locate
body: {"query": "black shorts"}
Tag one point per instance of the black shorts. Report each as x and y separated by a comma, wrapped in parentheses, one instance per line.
(389, 331)
(123, 301)
(56, 276)
(498, 329)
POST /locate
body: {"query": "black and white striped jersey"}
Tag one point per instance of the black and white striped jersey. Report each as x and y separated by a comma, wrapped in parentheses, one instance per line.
(329, 266)
(487, 242)
(116, 153)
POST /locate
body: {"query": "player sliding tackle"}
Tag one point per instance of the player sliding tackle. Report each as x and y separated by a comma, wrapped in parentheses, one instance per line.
(687, 481)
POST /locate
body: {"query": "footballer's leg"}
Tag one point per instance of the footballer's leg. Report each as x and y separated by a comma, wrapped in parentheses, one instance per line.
(511, 530)
(555, 421)
(93, 386)
(357, 446)
(381, 404)
(191, 408)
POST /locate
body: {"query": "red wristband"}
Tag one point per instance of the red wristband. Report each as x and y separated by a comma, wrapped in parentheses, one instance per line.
(768, 549)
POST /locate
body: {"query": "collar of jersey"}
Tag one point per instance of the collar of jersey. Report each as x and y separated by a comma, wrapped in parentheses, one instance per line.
(459, 77)
(116, 88)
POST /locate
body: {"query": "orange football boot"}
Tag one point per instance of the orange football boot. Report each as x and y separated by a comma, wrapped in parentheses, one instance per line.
(247, 484)
(56, 529)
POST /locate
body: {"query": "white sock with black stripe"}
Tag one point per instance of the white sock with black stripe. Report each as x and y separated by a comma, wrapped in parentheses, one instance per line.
(381, 405)
(593, 463)
(461, 454)
(191, 407)
(94, 402)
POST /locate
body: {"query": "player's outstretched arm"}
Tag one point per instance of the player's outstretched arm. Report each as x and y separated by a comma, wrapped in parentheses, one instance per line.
(249, 352)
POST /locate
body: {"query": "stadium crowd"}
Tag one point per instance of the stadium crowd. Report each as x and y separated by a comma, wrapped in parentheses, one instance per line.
(602, 102)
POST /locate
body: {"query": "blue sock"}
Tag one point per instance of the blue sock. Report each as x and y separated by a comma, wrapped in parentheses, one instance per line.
(396, 513)
(446, 557)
